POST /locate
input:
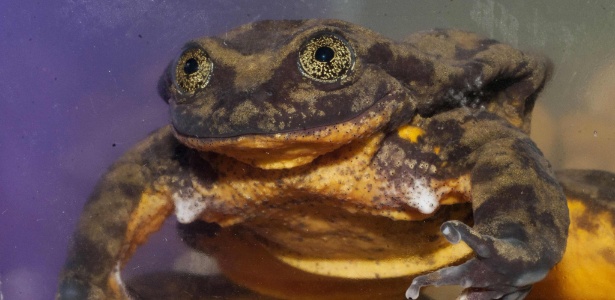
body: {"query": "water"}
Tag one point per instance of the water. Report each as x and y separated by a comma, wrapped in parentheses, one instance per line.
(78, 88)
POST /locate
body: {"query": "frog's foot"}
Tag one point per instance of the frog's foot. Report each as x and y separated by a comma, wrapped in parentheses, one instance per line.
(490, 275)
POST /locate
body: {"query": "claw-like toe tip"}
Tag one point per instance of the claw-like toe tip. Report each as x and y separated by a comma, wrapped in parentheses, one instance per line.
(450, 233)
(412, 292)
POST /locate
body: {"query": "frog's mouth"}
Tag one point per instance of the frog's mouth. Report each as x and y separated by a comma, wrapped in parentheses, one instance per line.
(291, 149)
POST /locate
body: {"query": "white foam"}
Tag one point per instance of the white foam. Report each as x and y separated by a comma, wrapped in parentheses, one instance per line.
(420, 195)
(189, 205)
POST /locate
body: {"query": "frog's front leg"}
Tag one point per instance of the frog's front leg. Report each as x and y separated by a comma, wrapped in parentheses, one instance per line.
(131, 201)
(520, 221)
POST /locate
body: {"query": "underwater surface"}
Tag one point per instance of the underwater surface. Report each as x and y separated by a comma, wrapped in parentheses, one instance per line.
(78, 88)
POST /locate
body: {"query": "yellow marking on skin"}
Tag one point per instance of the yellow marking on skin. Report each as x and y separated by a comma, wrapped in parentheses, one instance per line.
(152, 210)
(115, 288)
(410, 133)
(588, 267)
(455, 190)
(436, 149)
(385, 268)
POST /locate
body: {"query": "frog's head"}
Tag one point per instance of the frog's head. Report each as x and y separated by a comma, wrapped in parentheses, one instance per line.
(277, 94)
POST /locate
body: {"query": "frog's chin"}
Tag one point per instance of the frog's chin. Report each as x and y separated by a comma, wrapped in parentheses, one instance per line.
(292, 149)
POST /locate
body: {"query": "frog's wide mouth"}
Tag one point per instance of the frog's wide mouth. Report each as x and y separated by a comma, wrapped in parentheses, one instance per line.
(290, 149)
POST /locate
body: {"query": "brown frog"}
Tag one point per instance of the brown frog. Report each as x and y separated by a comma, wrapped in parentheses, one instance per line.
(322, 152)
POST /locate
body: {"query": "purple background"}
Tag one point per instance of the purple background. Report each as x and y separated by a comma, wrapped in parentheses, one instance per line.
(78, 88)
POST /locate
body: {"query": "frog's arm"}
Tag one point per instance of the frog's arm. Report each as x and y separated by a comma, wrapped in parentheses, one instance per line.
(588, 267)
(519, 210)
(131, 201)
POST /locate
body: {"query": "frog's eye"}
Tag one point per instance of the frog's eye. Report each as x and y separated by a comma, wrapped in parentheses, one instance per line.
(193, 70)
(326, 58)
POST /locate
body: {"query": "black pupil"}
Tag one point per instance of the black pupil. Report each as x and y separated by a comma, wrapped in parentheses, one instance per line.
(191, 66)
(324, 54)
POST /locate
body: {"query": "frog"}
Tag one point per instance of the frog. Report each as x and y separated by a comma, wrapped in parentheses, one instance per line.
(319, 151)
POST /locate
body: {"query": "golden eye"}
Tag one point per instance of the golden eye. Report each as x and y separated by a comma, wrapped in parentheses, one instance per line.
(326, 58)
(193, 70)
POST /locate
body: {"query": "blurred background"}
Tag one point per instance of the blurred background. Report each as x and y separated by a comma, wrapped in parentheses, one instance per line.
(78, 88)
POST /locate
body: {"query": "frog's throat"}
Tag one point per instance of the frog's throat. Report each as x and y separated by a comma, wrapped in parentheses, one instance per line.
(292, 149)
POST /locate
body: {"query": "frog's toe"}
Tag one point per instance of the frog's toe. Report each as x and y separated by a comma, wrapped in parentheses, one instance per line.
(480, 294)
(478, 279)
(456, 231)
(488, 275)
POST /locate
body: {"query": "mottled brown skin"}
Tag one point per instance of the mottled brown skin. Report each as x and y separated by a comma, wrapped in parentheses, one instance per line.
(440, 118)
(588, 266)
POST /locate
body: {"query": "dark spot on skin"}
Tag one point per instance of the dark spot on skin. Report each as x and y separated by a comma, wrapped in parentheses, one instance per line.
(608, 255)
(379, 53)
(506, 198)
(469, 54)
(83, 259)
(182, 154)
(547, 220)
(397, 66)
(513, 230)
(262, 36)
(447, 130)
(203, 172)
(598, 187)
(531, 158)
(587, 221)
(447, 134)
(130, 191)
(485, 173)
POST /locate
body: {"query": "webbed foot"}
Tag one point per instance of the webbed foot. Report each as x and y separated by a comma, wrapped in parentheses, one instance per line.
(501, 268)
